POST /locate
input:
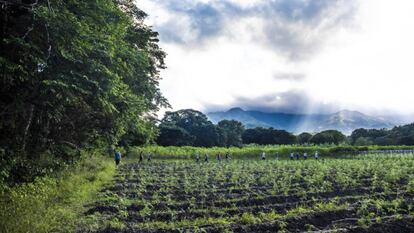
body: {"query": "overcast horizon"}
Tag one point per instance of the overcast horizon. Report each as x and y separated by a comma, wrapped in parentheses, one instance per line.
(295, 56)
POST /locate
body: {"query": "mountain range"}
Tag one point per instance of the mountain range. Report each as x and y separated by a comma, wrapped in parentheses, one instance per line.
(345, 121)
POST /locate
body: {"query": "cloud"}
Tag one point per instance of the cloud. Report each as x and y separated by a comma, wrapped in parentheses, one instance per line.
(316, 55)
(295, 29)
(289, 76)
(294, 101)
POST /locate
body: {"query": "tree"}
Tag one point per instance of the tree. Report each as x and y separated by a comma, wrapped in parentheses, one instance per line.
(174, 136)
(370, 134)
(76, 73)
(195, 123)
(269, 136)
(232, 132)
(251, 136)
(328, 136)
(304, 138)
(363, 141)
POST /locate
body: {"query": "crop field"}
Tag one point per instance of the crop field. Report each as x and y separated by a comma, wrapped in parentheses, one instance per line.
(365, 193)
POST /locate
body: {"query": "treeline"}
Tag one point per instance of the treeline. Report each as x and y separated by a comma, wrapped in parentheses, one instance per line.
(400, 135)
(192, 128)
(74, 74)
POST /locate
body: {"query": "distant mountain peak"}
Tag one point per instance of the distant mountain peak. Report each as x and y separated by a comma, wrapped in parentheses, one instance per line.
(235, 109)
(350, 112)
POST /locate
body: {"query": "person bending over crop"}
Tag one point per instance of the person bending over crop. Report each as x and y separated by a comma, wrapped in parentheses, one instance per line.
(117, 157)
(149, 157)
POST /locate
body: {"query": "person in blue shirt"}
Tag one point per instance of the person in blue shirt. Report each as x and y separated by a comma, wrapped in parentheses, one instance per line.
(117, 157)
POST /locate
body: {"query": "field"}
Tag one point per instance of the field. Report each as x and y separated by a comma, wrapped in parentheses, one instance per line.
(359, 193)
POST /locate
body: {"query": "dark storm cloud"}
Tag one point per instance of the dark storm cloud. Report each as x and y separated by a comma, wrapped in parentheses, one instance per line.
(292, 28)
(206, 20)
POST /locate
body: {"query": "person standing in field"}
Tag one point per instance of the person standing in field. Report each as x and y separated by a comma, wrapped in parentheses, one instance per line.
(316, 155)
(141, 157)
(277, 155)
(227, 156)
(206, 157)
(263, 156)
(297, 156)
(291, 155)
(218, 157)
(197, 158)
(117, 157)
(305, 155)
(149, 157)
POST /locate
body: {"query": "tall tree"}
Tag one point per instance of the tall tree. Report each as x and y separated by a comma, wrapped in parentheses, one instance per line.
(232, 132)
(304, 138)
(195, 123)
(75, 72)
(328, 136)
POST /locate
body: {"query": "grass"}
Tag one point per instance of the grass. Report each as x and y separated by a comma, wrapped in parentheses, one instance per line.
(253, 151)
(54, 203)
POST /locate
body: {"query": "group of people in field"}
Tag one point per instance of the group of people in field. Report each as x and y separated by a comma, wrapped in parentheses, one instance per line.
(118, 155)
(219, 157)
(292, 156)
(305, 155)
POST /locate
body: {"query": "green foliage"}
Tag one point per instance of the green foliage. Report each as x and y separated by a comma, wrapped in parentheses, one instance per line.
(53, 203)
(258, 195)
(363, 141)
(268, 136)
(328, 136)
(253, 151)
(304, 138)
(232, 132)
(191, 127)
(401, 135)
(75, 72)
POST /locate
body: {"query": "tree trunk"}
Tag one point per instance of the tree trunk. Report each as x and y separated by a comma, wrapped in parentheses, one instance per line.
(26, 129)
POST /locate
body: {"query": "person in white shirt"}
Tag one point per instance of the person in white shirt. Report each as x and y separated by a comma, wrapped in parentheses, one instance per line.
(316, 155)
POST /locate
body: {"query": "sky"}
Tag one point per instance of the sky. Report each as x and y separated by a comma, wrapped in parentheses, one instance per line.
(296, 56)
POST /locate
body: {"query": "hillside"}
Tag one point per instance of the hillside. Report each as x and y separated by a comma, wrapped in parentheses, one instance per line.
(345, 121)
